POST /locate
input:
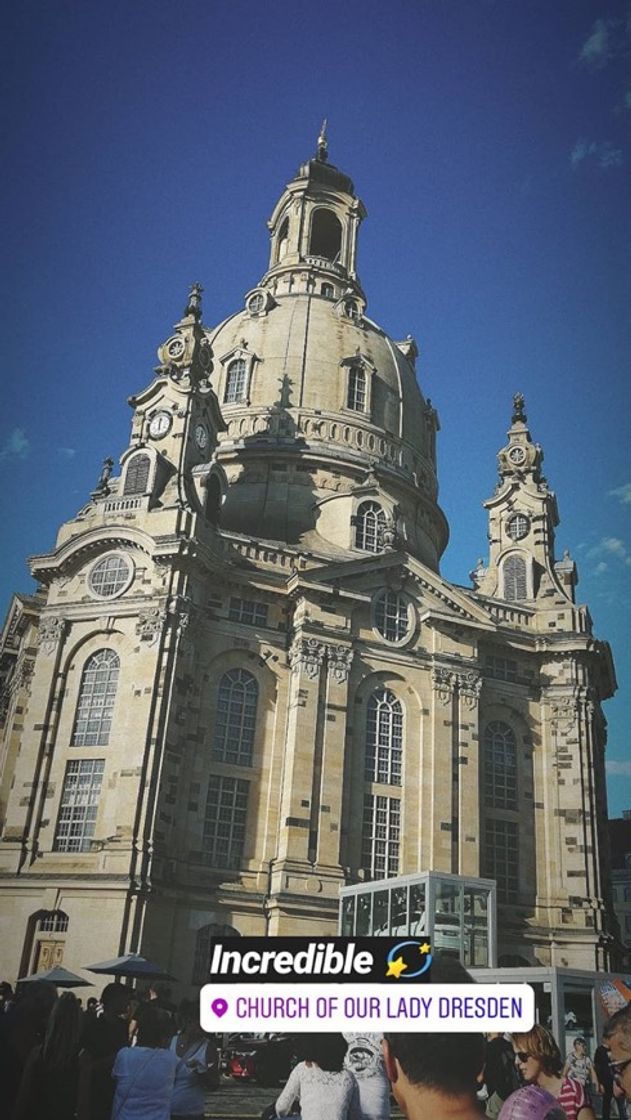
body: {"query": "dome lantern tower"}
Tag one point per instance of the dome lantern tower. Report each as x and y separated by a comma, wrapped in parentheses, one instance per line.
(314, 228)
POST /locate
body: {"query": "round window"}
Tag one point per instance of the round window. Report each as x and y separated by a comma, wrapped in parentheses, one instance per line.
(392, 616)
(110, 576)
(256, 303)
(518, 527)
(517, 455)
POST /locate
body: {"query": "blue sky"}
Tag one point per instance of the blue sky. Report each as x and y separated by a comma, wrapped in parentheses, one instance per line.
(146, 144)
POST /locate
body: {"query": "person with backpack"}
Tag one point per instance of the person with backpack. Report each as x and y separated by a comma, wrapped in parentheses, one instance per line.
(500, 1076)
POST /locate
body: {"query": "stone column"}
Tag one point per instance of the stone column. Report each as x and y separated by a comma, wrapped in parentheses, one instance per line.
(438, 815)
(466, 774)
(326, 818)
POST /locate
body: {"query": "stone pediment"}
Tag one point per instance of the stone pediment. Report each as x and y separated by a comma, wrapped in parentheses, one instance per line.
(437, 598)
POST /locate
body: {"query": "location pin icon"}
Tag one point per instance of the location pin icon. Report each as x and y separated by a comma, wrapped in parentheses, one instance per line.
(219, 1006)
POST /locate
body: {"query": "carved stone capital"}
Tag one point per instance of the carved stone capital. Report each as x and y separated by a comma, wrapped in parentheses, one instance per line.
(51, 630)
(150, 623)
(469, 686)
(307, 656)
(339, 661)
(23, 674)
(443, 684)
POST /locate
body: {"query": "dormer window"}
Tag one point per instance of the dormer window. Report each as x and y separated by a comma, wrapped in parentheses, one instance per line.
(356, 395)
(515, 578)
(236, 380)
(137, 477)
(369, 525)
(326, 235)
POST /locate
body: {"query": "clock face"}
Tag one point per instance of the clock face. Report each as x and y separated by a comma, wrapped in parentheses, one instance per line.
(201, 437)
(517, 455)
(159, 425)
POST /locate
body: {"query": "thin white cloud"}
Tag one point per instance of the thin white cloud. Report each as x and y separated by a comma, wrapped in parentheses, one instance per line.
(600, 568)
(622, 769)
(601, 153)
(16, 445)
(598, 48)
(623, 493)
(66, 452)
(608, 551)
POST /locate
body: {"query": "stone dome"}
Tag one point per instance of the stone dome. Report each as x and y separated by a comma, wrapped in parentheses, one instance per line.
(316, 397)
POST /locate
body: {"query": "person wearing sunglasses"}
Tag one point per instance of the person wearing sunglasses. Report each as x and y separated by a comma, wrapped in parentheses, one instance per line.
(539, 1062)
(617, 1038)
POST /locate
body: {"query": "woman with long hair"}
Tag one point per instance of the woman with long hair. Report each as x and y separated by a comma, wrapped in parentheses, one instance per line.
(49, 1081)
(539, 1062)
(320, 1085)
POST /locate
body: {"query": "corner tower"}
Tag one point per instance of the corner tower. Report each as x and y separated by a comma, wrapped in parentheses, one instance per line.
(330, 444)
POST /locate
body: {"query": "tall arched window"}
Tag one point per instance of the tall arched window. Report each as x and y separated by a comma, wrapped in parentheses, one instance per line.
(97, 693)
(384, 738)
(236, 717)
(500, 766)
(283, 240)
(137, 477)
(370, 521)
(236, 379)
(515, 582)
(203, 948)
(356, 395)
(326, 235)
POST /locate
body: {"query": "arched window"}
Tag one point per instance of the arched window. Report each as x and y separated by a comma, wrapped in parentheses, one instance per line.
(326, 235)
(203, 948)
(236, 717)
(213, 500)
(515, 582)
(236, 381)
(96, 700)
(53, 921)
(384, 738)
(500, 767)
(137, 477)
(370, 521)
(356, 395)
(283, 240)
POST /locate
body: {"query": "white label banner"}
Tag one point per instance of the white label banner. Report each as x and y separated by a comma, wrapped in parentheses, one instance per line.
(369, 1007)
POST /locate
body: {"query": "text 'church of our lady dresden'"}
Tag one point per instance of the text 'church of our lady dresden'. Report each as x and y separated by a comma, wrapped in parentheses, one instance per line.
(243, 684)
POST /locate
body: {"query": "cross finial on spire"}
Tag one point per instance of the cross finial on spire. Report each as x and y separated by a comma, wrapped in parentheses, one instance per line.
(519, 406)
(323, 146)
(194, 304)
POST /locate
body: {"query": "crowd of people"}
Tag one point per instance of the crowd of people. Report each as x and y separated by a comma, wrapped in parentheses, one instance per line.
(125, 1059)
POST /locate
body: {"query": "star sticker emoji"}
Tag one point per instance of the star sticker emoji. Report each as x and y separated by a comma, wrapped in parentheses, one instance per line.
(396, 967)
(425, 948)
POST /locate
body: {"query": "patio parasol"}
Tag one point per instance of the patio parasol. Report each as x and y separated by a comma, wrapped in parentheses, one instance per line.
(131, 965)
(59, 976)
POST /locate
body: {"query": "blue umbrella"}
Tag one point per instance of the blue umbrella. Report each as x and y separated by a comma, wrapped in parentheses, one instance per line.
(131, 965)
(59, 976)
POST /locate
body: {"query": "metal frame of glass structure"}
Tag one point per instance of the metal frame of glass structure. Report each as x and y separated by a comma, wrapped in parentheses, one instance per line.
(455, 913)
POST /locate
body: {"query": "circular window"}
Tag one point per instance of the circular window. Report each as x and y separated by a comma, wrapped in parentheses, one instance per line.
(517, 455)
(110, 576)
(256, 303)
(518, 527)
(392, 616)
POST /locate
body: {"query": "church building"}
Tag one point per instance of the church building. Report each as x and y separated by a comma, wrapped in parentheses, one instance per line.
(243, 684)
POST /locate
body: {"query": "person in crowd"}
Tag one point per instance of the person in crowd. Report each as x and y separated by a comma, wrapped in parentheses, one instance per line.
(197, 1070)
(531, 1103)
(144, 1074)
(21, 1029)
(617, 1037)
(579, 1065)
(539, 1062)
(7, 997)
(319, 1085)
(103, 1037)
(91, 1008)
(608, 1088)
(364, 1058)
(49, 1081)
(500, 1075)
(436, 1076)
